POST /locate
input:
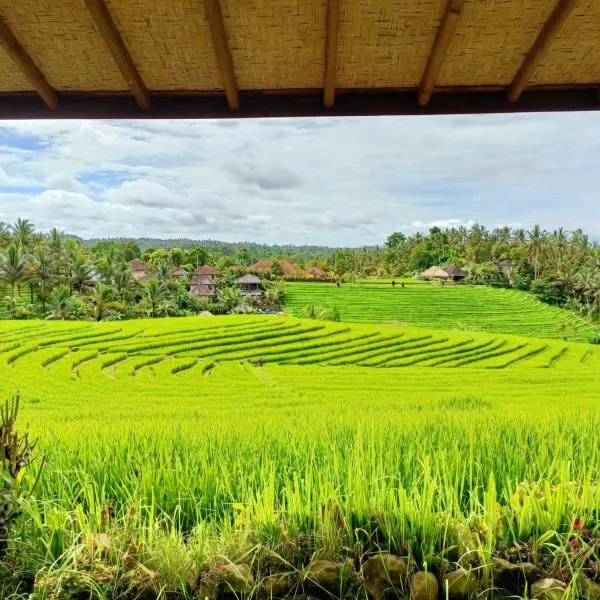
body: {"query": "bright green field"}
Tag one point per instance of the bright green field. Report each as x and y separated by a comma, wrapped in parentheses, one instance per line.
(446, 307)
(200, 453)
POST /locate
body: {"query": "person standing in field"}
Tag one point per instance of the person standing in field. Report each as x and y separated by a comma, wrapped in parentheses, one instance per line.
(261, 361)
(393, 283)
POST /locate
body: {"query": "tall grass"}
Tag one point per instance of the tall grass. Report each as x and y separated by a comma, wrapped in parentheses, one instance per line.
(187, 464)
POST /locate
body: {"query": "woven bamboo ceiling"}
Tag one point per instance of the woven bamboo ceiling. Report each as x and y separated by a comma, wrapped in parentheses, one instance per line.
(228, 58)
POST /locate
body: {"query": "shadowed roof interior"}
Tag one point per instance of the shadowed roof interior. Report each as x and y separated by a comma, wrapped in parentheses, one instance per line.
(231, 58)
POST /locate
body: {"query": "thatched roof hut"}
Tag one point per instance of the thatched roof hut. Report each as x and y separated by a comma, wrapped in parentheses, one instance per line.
(435, 273)
(140, 270)
(455, 272)
(248, 278)
(250, 285)
(316, 273)
(178, 272)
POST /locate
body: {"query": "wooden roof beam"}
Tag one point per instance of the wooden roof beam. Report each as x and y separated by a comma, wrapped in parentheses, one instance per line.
(25, 63)
(214, 16)
(439, 51)
(532, 58)
(114, 42)
(331, 51)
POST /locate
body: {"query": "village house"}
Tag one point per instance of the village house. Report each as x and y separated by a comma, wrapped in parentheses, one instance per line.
(250, 285)
(202, 286)
(178, 272)
(455, 273)
(316, 273)
(203, 282)
(207, 271)
(266, 266)
(141, 271)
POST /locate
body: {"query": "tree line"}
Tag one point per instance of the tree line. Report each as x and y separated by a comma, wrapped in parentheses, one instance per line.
(56, 276)
(560, 267)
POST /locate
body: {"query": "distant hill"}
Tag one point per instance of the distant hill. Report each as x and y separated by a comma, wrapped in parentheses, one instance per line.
(256, 251)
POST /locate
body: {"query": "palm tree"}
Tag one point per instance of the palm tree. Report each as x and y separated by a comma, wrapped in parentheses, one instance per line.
(4, 234)
(162, 271)
(101, 299)
(271, 297)
(23, 231)
(585, 282)
(535, 249)
(13, 267)
(595, 296)
(107, 263)
(42, 272)
(80, 272)
(231, 296)
(471, 260)
(560, 244)
(55, 242)
(124, 283)
(61, 304)
(155, 294)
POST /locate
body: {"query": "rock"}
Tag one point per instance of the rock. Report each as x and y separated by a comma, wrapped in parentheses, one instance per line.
(73, 584)
(424, 586)
(461, 583)
(589, 589)
(324, 574)
(237, 579)
(62, 586)
(548, 589)
(142, 582)
(383, 572)
(513, 577)
(278, 586)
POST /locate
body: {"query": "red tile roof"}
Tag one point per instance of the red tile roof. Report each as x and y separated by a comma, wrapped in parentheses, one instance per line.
(316, 272)
(267, 264)
(206, 270)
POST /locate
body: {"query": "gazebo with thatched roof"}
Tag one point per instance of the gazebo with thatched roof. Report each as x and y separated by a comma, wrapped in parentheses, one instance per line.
(435, 273)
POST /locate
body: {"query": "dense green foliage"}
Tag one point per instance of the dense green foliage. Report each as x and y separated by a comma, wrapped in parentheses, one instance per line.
(166, 437)
(248, 252)
(56, 277)
(561, 268)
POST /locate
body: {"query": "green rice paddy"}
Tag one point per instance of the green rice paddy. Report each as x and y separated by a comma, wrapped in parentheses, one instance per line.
(475, 308)
(351, 437)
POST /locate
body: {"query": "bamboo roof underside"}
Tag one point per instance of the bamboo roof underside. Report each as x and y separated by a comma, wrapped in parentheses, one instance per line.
(262, 58)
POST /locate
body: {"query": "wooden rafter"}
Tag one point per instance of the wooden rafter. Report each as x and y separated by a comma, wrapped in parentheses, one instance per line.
(331, 51)
(214, 16)
(532, 58)
(440, 50)
(22, 59)
(114, 42)
(297, 104)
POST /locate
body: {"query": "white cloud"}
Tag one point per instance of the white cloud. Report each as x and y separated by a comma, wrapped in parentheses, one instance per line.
(336, 181)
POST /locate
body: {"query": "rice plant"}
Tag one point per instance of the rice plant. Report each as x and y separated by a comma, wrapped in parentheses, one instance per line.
(205, 459)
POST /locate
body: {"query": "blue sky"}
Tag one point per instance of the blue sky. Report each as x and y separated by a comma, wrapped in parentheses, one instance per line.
(324, 181)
